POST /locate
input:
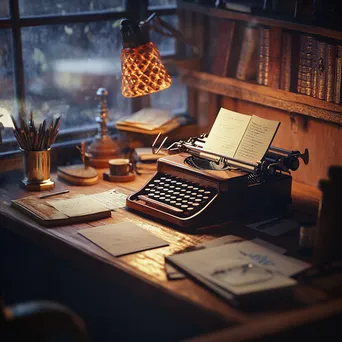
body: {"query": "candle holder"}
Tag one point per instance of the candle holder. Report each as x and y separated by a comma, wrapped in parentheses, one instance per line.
(103, 148)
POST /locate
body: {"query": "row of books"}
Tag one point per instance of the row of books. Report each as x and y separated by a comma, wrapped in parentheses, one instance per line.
(277, 58)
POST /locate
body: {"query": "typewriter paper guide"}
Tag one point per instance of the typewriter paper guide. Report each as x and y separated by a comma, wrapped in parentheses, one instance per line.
(241, 136)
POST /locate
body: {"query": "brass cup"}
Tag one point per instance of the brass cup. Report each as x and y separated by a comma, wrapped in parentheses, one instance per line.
(37, 170)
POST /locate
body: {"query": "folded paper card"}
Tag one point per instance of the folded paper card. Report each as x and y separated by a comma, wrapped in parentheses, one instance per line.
(122, 238)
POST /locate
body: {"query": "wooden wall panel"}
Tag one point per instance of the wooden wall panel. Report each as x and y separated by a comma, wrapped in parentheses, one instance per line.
(324, 140)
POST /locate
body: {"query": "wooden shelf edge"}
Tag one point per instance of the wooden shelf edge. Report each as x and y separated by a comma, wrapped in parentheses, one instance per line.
(227, 14)
(266, 96)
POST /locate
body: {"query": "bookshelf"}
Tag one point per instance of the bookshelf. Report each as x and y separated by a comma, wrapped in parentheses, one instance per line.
(275, 98)
(195, 23)
(261, 20)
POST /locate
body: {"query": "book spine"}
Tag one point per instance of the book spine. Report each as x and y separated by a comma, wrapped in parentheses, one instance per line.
(275, 57)
(331, 59)
(338, 74)
(264, 56)
(305, 65)
(321, 70)
(314, 76)
(223, 47)
(285, 74)
(247, 51)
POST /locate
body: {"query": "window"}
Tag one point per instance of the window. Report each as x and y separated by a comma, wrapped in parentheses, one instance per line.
(55, 54)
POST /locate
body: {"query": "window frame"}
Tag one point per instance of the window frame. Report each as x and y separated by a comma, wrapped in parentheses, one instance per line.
(138, 10)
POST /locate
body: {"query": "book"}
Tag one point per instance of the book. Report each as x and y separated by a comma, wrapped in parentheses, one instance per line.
(275, 57)
(285, 68)
(321, 75)
(240, 268)
(149, 121)
(65, 210)
(264, 55)
(222, 48)
(338, 74)
(305, 65)
(247, 66)
(240, 136)
(331, 60)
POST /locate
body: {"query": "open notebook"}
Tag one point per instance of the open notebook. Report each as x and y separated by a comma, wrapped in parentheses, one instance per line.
(240, 136)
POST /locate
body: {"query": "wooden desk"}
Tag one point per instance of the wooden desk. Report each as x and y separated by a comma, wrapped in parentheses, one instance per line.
(143, 273)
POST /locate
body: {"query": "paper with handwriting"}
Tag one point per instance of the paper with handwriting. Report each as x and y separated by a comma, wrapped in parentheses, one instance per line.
(241, 136)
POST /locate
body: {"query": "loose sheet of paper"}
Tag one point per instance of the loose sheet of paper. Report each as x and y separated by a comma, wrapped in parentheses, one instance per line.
(78, 206)
(227, 132)
(111, 199)
(257, 139)
(122, 238)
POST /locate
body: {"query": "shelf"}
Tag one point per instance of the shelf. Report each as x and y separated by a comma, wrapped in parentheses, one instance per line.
(266, 96)
(226, 14)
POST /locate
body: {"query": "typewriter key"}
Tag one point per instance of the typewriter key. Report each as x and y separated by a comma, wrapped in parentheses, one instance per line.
(184, 206)
(195, 204)
(173, 197)
(167, 195)
(171, 187)
(161, 198)
(207, 192)
(178, 188)
(201, 190)
(205, 197)
(199, 196)
(190, 208)
(198, 200)
(167, 199)
(157, 181)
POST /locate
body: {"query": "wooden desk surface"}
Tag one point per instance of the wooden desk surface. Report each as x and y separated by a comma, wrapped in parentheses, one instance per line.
(144, 272)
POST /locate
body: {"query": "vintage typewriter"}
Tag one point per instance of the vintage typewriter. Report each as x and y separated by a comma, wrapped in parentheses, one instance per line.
(193, 187)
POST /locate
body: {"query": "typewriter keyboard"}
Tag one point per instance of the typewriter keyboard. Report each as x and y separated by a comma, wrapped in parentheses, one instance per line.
(176, 196)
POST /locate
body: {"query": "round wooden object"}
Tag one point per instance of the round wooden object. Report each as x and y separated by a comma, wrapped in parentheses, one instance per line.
(78, 174)
(128, 178)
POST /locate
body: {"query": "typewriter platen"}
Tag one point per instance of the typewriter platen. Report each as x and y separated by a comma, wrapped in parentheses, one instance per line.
(194, 188)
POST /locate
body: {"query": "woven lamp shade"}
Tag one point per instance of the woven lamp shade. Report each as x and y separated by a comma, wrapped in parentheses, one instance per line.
(142, 71)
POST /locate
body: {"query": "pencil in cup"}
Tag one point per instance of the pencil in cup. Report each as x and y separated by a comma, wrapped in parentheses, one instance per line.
(30, 138)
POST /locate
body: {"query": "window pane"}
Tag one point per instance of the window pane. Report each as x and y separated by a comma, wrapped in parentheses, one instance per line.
(162, 2)
(173, 98)
(4, 8)
(64, 66)
(165, 44)
(39, 7)
(6, 81)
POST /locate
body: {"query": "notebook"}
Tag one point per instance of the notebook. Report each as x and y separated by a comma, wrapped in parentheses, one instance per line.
(62, 210)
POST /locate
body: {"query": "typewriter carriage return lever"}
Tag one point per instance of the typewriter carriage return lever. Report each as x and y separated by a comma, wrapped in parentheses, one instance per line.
(192, 186)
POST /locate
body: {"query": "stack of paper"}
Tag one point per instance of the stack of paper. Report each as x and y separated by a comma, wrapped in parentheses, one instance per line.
(149, 121)
(239, 269)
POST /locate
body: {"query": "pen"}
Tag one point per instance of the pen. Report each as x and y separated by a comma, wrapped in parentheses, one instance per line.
(54, 193)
